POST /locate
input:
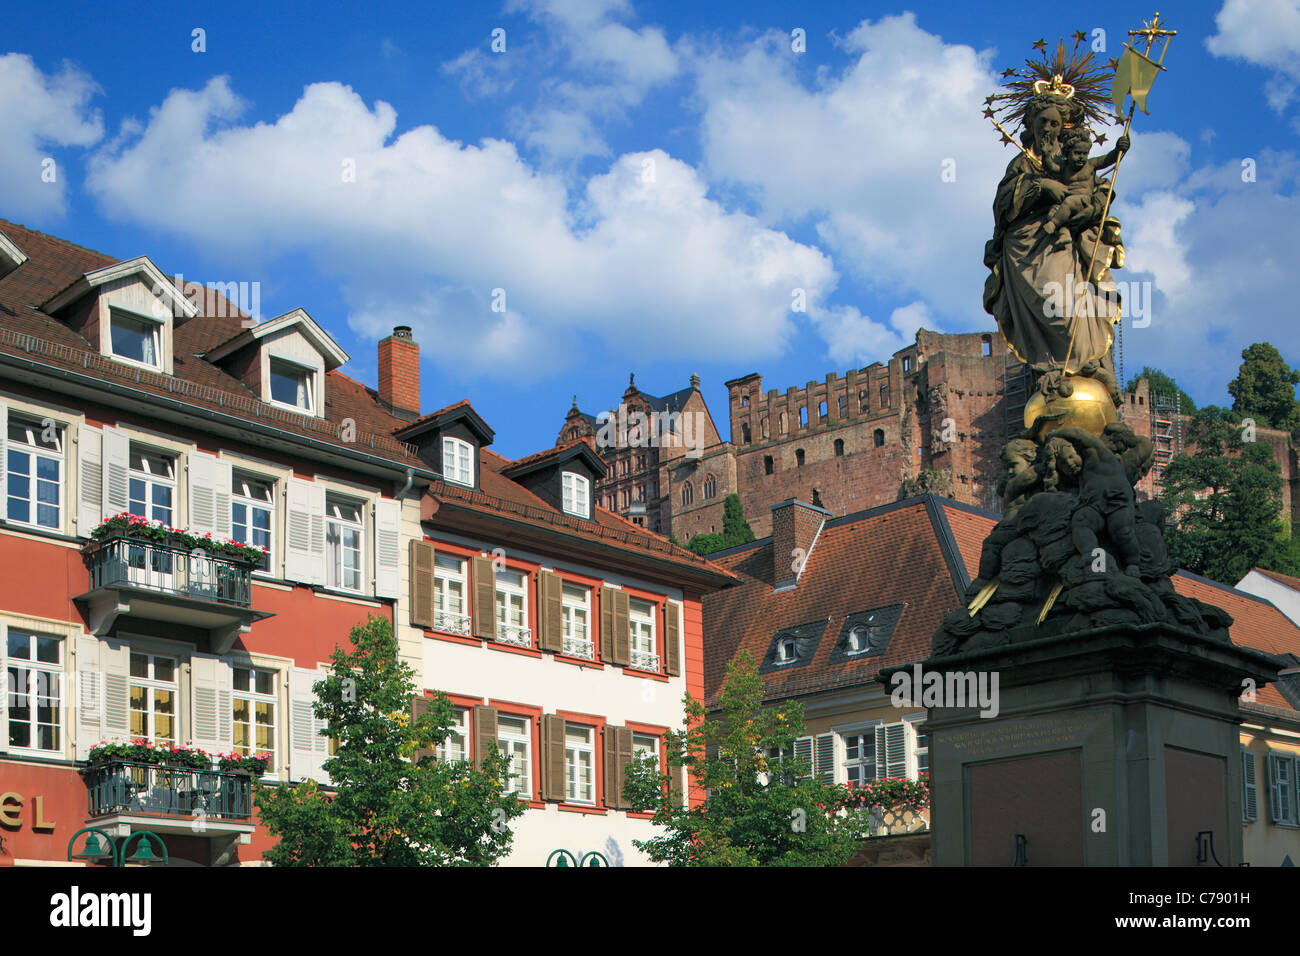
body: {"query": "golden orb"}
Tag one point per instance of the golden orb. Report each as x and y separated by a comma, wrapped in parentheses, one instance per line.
(1089, 407)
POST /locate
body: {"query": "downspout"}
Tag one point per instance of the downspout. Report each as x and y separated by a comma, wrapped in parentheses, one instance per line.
(410, 480)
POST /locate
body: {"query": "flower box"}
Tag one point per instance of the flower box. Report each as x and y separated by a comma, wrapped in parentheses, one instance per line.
(142, 751)
(127, 525)
(239, 763)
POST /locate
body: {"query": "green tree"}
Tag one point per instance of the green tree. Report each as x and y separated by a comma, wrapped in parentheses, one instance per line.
(759, 813)
(1264, 389)
(1162, 384)
(389, 808)
(1227, 497)
(735, 529)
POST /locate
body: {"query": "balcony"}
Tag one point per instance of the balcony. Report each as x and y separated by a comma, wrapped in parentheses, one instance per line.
(578, 647)
(449, 622)
(164, 582)
(516, 636)
(644, 661)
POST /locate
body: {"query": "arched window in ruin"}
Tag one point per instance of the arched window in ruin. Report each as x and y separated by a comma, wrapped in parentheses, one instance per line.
(839, 448)
(688, 493)
(879, 437)
(710, 486)
(745, 435)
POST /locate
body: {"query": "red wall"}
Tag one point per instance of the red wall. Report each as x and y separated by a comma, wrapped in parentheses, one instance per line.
(64, 805)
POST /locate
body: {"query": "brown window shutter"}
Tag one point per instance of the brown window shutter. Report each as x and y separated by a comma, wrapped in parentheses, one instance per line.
(553, 727)
(622, 645)
(672, 639)
(421, 572)
(607, 624)
(418, 706)
(613, 792)
(551, 626)
(676, 792)
(623, 757)
(485, 732)
(484, 581)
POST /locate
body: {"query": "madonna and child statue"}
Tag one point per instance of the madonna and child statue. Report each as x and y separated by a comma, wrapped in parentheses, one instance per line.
(1074, 548)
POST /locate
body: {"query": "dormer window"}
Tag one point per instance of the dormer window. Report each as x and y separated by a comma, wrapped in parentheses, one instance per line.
(457, 461)
(786, 651)
(859, 639)
(135, 339)
(293, 386)
(577, 494)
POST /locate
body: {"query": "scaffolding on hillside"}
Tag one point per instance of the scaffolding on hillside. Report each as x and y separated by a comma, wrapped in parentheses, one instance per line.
(1166, 434)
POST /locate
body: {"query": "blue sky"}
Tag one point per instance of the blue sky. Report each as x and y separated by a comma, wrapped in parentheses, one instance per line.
(647, 182)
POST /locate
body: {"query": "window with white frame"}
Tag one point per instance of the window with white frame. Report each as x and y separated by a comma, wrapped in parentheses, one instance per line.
(575, 611)
(516, 743)
(577, 494)
(34, 460)
(512, 608)
(454, 747)
(252, 509)
(343, 543)
(152, 486)
(641, 624)
(254, 712)
(883, 751)
(153, 697)
(449, 588)
(645, 746)
(135, 339)
(860, 756)
(457, 461)
(292, 385)
(35, 691)
(1282, 784)
(919, 749)
(579, 764)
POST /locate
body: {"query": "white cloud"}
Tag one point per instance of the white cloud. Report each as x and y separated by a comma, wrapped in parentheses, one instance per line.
(648, 264)
(854, 339)
(1265, 33)
(39, 112)
(482, 74)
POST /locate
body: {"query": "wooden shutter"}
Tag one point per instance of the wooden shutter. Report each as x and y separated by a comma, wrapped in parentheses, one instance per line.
(89, 697)
(485, 732)
(891, 750)
(209, 495)
(803, 751)
(211, 704)
(421, 580)
(308, 749)
(824, 759)
(623, 742)
(90, 479)
(553, 727)
(1250, 795)
(483, 580)
(676, 786)
(116, 472)
(388, 548)
(298, 561)
(606, 649)
(672, 638)
(613, 792)
(420, 704)
(550, 593)
(621, 645)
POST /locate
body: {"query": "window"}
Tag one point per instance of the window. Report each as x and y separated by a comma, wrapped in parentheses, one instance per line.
(449, 588)
(688, 493)
(254, 718)
(34, 457)
(878, 437)
(882, 751)
(644, 745)
(744, 401)
(860, 757)
(782, 423)
(575, 612)
(457, 464)
(453, 748)
(986, 345)
(844, 407)
(786, 651)
(35, 685)
(907, 363)
(766, 427)
(839, 448)
(579, 764)
(884, 394)
(864, 401)
(920, 748)
(342, 543)
(153, 698)
(135, 339)
(153, 486)
(512, 609)
(641, 623)
(798, 457)
(767, 464)
(577, 494)
(803, 416)
(515, 742)
(293, 386)
(822, 410)
(1282, 788)
(252, 503)
(745, 435)
(710, 486)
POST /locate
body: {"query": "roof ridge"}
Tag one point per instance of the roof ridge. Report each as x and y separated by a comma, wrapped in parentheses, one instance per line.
(61, 241)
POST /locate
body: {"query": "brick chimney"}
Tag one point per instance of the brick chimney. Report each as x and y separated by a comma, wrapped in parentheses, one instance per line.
(399, 371)
(794, 530)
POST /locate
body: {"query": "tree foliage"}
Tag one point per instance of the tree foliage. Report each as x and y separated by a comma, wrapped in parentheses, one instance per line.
(759, 812)
(735, 529)
(1161, 384)
(1226, 496)
(387, 809)
(1264, 389)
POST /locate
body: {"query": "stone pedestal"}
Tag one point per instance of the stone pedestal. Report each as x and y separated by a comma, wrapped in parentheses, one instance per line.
(1111, 747)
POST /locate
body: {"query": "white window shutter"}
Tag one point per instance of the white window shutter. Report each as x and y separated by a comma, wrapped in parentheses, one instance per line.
(116, 471)
(90, 479)
(388, 548)
(115, 665)
(317, 533)
(211, 704)
(824, 766)
(89, 700)
(4, 498)
(307, 748)
(1250, 797)
(891, 750)
(298, 531)
(803, 751)
(322, 740)
(202, 519)
(4, 688)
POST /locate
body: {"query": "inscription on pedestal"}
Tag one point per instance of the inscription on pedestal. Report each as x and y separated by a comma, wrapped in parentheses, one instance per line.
(1031, 735)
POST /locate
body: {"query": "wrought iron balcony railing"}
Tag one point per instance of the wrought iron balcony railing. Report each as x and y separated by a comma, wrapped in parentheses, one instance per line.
(578, 647)
(645, 661)
(512, 634)
(451, 622)
(167, 569)
(126, 787)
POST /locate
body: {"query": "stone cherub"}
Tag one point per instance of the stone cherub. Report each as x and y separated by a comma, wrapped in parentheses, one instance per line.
(1105, 499)
(1078, 171)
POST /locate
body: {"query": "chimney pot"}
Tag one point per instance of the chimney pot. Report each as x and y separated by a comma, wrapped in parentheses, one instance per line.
(795, 525)
(399, 371)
